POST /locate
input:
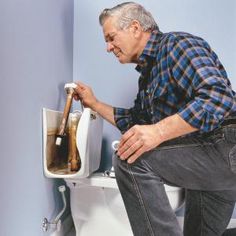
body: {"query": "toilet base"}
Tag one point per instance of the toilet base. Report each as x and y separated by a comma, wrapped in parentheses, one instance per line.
(98, 209)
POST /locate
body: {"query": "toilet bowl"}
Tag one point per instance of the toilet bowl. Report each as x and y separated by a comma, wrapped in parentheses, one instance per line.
(96, 204)
(98, 209)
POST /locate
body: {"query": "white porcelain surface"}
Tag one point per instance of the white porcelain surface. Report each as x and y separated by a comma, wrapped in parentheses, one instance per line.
(88, 141)
(98, 209)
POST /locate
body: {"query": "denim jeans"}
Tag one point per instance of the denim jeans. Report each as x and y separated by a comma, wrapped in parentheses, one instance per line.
(205, 165)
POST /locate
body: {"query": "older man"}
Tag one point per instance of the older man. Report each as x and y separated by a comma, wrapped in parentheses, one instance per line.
(180, 131)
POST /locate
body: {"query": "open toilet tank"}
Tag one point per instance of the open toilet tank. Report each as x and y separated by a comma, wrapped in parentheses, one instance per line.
(96, 204)
(88, 139)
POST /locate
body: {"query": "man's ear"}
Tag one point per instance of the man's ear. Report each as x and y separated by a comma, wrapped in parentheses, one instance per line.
(136, 28)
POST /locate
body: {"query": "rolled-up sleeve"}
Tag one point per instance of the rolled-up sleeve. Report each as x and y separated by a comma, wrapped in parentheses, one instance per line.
(126, 118)
(122, 118)
(199, 73)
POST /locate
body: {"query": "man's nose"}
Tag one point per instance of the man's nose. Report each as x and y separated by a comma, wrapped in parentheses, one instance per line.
(110, 47)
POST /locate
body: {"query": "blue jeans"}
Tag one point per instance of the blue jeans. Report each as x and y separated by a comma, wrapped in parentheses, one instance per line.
(205, 165)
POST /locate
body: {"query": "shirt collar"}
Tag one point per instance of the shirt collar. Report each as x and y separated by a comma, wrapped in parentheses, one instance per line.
(150, 51)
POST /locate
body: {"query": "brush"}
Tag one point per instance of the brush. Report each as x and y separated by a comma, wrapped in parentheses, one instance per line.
(61, 132)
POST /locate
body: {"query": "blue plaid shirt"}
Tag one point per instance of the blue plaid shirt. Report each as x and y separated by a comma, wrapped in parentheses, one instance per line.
(179, 73)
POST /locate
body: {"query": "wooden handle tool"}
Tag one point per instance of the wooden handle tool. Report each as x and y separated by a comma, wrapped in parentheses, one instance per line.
(61, 132)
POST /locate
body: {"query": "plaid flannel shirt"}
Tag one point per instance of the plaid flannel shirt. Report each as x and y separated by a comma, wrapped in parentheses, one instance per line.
(179, 73)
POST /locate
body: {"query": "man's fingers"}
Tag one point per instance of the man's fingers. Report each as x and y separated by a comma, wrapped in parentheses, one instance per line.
(81, 86)
(136, 155)
(123, 141)
(130, 150)
(126, 145)
(79, 83)
(76, 96)
(79, 91)
(126, 136)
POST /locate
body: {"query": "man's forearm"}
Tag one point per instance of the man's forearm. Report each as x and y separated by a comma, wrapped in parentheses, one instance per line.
(142, 138)
(173, 127)
(105, 111)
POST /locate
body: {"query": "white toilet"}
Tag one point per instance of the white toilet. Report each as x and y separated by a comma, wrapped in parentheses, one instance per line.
(96, 204)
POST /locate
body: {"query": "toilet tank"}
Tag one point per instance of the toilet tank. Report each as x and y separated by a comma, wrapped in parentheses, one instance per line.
(88, 143)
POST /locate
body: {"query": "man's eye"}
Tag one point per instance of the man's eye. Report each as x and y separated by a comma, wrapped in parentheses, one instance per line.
(112, 37)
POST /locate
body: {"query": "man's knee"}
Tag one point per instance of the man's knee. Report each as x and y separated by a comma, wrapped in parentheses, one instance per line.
(120, 166)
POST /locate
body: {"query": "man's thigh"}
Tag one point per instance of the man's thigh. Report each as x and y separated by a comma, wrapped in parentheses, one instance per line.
(207, 213)
(196, 163)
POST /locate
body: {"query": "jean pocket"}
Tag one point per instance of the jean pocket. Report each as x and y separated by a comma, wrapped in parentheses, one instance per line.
(230, 134)
(232, 159)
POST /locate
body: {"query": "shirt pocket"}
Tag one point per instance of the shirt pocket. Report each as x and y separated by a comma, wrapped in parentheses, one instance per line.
(230, 133)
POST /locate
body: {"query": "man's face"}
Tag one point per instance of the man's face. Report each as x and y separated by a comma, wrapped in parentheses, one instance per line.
(121, 42)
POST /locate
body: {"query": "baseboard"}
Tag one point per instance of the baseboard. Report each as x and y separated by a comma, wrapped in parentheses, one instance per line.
(66, 226)
(232, 223)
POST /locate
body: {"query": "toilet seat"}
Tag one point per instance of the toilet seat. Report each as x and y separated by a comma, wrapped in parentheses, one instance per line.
(101, 180)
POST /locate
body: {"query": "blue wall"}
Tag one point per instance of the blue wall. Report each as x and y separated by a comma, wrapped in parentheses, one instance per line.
(36, 52)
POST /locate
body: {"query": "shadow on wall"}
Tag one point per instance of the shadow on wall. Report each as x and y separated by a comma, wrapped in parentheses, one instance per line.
(106, 156)
(62, 97)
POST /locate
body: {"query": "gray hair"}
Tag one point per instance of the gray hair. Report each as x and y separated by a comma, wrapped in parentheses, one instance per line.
(127, 12)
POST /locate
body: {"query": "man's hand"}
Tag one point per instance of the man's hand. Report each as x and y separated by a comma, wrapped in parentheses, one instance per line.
(85, 94)
(143, 138)
(137, 140)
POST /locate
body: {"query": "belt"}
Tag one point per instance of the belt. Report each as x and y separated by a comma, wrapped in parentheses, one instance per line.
(228, 121)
